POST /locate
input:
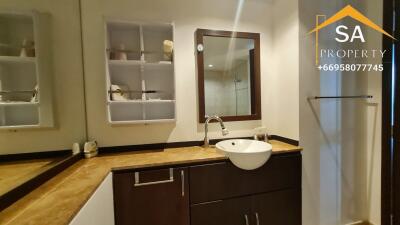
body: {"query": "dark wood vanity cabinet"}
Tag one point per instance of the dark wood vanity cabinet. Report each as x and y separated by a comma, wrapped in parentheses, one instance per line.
(277, 208)
(223, 180)
(221, 193)
(274, 208)
(151, 197)
(232, 211)
(212, 194)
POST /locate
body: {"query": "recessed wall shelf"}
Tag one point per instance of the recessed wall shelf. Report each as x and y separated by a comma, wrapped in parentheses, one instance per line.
(25, 75)
(140, 81)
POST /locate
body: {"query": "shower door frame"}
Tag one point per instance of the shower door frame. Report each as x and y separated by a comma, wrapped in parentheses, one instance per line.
(390, 179)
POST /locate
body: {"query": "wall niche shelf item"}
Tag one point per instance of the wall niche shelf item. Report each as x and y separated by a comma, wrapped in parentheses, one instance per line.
(140, 80)
(25, 73)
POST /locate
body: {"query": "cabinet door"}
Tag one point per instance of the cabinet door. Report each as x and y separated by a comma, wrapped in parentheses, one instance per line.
(277, 208)
(156, 197)
(212, 182)
(225, 212)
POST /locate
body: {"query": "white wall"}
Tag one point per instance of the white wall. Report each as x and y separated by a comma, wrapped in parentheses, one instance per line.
(282, 86)
(67, 78)
(279, 82)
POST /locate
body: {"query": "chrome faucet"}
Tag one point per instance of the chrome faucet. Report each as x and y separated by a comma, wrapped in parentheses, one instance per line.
(221, 123)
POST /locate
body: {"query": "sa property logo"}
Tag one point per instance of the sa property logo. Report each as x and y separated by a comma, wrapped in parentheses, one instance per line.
(345, 34)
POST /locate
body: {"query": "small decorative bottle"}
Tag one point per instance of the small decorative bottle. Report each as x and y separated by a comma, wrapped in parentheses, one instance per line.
(168, 47)
(28, 49)
(121, 53)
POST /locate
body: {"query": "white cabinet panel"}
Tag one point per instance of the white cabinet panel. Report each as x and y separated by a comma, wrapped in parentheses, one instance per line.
(99, 210)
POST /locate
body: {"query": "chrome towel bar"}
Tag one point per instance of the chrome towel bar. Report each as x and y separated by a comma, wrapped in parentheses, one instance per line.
(341, 97)
(123, 91)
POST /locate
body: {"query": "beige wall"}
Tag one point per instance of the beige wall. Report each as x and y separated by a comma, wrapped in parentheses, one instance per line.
(279, 82)
(281, 90)
(67, 78)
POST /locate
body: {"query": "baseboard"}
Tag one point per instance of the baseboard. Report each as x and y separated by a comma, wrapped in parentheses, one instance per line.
(157, 146)
(35, 155)
(360, 223)
(285, 139)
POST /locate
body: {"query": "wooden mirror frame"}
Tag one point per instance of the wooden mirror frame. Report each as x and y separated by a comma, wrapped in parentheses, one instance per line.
(255, 79)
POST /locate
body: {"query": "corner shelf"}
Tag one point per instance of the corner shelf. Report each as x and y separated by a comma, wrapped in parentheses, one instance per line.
(22, 76)
(144, 70)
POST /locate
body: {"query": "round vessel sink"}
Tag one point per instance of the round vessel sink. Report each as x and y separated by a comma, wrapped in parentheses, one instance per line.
(246, 154)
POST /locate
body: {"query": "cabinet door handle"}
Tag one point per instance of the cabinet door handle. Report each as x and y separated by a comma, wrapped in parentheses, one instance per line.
(246, 218)
(257, 219)
(183, 182)
(138, 184)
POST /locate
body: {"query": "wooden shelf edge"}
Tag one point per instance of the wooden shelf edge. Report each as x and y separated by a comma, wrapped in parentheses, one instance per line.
(140, 102)
(19, 103)
(132, 122)
(14, 127)
(138, 63)
(17, 59)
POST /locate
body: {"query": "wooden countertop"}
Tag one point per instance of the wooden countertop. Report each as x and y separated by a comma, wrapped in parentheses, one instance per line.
(58, 200)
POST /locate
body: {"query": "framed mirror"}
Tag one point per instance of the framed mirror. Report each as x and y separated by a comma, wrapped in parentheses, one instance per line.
(228, 70)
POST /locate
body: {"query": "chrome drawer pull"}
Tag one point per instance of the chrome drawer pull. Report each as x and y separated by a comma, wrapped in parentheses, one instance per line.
(183, 182)
(257, 219)
(170, 180)
(246, 218)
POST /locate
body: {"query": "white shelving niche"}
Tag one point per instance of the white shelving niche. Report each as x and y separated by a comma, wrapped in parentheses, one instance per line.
(140, 80)
(25, 73)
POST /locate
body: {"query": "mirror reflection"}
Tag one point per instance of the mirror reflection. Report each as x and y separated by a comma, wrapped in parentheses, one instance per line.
(42, 111)
(228, 68)
(14, 173)
(25, 71)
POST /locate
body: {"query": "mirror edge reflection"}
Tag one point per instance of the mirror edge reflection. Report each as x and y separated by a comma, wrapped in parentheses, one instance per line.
(51, 162)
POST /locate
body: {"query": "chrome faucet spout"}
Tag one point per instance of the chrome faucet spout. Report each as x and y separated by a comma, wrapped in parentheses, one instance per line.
(221, 123)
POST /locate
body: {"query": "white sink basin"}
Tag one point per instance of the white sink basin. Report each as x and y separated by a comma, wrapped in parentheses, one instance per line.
(246, 154)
